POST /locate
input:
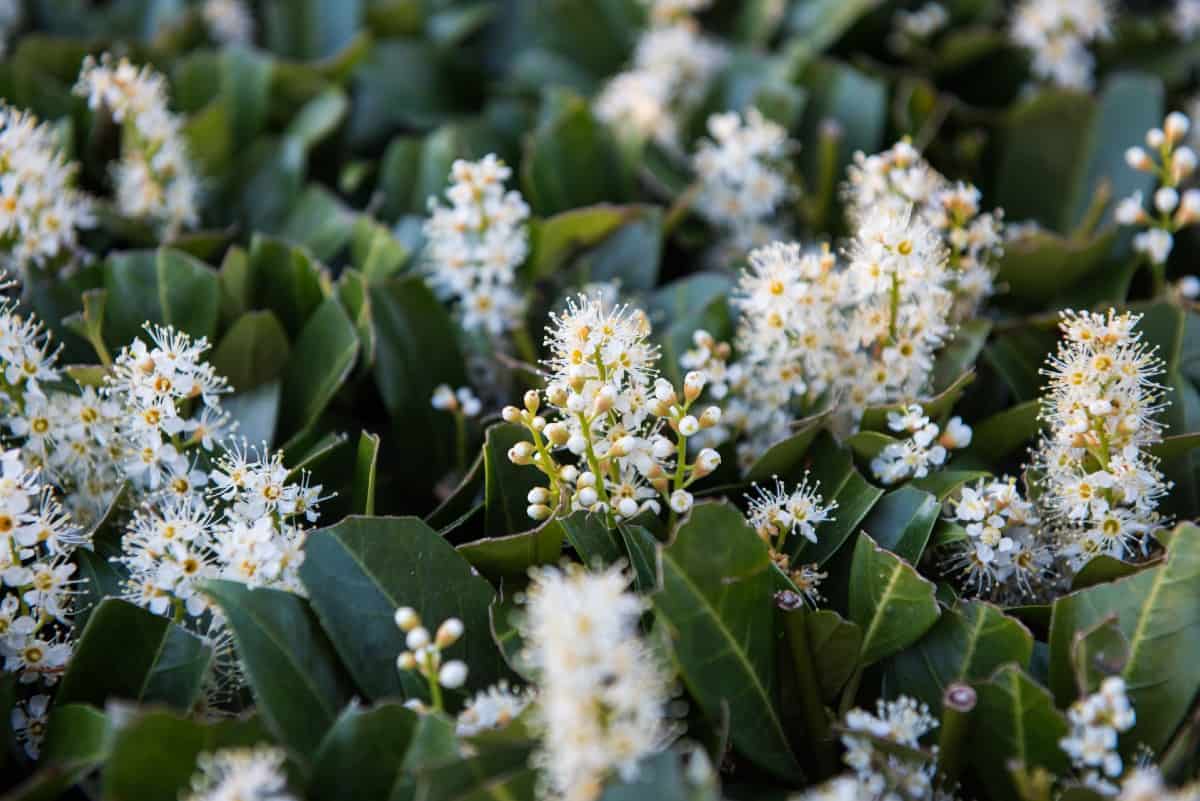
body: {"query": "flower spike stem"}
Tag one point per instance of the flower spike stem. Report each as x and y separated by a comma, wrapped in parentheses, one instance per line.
(957, 703)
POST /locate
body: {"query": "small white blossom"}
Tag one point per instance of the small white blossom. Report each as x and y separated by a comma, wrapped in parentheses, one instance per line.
(246, 774)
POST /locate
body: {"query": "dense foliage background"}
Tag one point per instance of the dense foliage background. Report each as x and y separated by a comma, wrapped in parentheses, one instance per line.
(318, 144)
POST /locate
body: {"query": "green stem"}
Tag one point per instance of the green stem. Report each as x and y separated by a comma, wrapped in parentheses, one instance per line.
(894, 308)
(435, 690)
(460, 442)
(850, 692)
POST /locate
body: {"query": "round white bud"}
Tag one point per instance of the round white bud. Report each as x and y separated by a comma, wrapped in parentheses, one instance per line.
(693, 384)
(576, 444)
(449, 632)
(406, 661)
(689, 426)
(1155, 138)
(453, 674)
(1138, 159)
(710, 417)
(1176, 126)
(537, 511)
(587, 497)
(586, 479)
(511, 414)
(681, 501)
(627, 507)
(417, 638)
(538, 495)
(1166, 199)
(407, 618)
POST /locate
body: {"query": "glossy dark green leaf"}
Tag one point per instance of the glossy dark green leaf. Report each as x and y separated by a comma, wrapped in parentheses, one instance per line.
(510, 557)
(716, 602)
(1000, 435)
(361, 570)
(787, 459)
(1039, 266)
(158, 662)
(154, 754)
(1158, 611)
(166, 286)
(311, 29)
(1097, 653)
(840, 481)
(1104, 569)
(283, 279)
(592, 539)
(320, 222)
(1014, 721)
(365, 462)
(555, 239)
(967, 644)
(254, 351)
(298, 683)
(320, 362)
(835, 644)
(960, 354)
(78, 739)
(361, 755)
(892, 603)
(506, 485)
(902, 521)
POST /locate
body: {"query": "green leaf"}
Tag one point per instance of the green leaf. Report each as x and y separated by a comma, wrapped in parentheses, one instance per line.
(78, 739)
(297, 681)
(572, 160)
(311, 29)
(786, 458)
(1015, 721)
(166, 287)
(892, 603)
(1039, 266)
(1158, 611)
(967, 644)
(361, 570)
(1000, 435)
(592, 539)
(158, 662)
(960, 354)
(1097, 653)
(1176, 446)
(840, 481)
(154, 755)
(284, 280)
(835, 644)
(555, 239)
(495, 767)
(1104, 569)
(902, 521)
(253, 352)
(364, 474)
(716, 602)
(506, 485)
(361, 756)
(320, 363)
(509, 558)
(320, 222)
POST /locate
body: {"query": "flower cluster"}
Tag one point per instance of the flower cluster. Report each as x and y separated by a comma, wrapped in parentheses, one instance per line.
(1058, 33)
(1146, 784)
(925, 447)
(29, 719)
(475, 245)
(608, 414)
(1099, 484)
(456, 401)
(229, 22)
(424, 653)
(671, 65)
(602, 692)
(493, 708)
(154, 179)
(776, 514)
(1172, 164)
(899, 179)
(1002, 558)
(246, 774)
(743, 177)
(1096, 721)
(41, 209)
(884, 776)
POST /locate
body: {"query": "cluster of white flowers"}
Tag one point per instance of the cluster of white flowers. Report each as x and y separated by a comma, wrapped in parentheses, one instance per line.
(245, 774)
(900, 179)
(1172, 164)
(912, 28)
(29, 719)
(1184, 19)
(743, 178)
(878, 774)
(493, 708)
(41, 209)
(457, 401)
(154, 180)
(475, 245)
(229, 22)
(671, 67)
(1003, 557)
(1099, 484)
(423, 654)
(1096, 722)
(1058, 32)
(601, 691)
(925, 448)
(777, 513)
(609, 414)
(1146, 784)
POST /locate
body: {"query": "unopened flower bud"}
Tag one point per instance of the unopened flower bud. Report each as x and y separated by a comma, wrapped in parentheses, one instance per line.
(1183, 163)
(1138, 159)
(520, 453)
(537, 511)
(1166, 199)
(707, 461)
(604, 400)
(569, 473)
(689, 426)
(538, 495)
(693, 385)
(532, 401)
(681, 501)
(586, 479)
(449, 632)
(558, 434)
(511, 414)
(406, 661)
(1175, 127)
(662, 448)
(1189, 287)
(453, 675)
(575, 403)
(627, 507)
(407, 618)
(664, 392)
(1155, 138)
(417, 638)
(556, 394)
(623, 446)
(587, 497)
(1189, 208)
(710, 417)
(577, 444)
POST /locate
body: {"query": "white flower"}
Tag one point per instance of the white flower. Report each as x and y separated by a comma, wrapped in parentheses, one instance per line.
(493, 708)
(246, 774)
(602, 692)
(29, 719)
(1155, 243)
(1058, 32)
(1096, 721)
(776, 513)
(229, 21)
(154, 179)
